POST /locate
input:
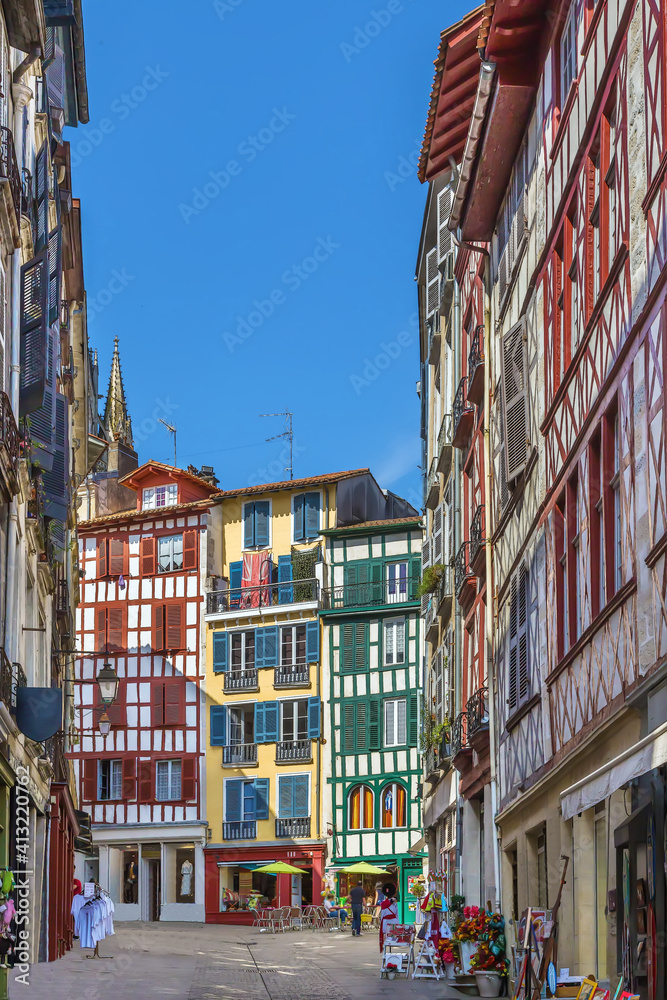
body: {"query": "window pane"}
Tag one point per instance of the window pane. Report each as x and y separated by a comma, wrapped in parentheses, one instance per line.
(177, 552)
(389, 643)
(175, 788)
(400, 724)
(237, 649)
(300, 643)
(162, 780)
(286, 647)
(388, 806)
(302, 714)
(400, 642)
(389, 734)
(149, 499)
(400, 807)
(117, 779)
(164, 554)
(368, 808)
(249, 661)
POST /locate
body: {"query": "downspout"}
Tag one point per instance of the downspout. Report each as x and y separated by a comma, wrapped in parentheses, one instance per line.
(489, 605)
(456, 364)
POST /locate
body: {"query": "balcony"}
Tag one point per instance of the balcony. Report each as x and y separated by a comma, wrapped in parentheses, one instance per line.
(9, 448)
(477, 719)
(431, 621)
(7, 693)
(460, 747)
(476, 367)
(358, 595)
(241, 680)
(445, 595)
(292, 751)
(462, 416)
(239, 755)
(269, 595)
(465, 584)
(62, 598)
(243, 830)
(19, 680)
(433, 485)
(293, 827)
(292, 675)
(10, 183)
(433, 328)
(477, 549)
(54, 749)
(445, 445)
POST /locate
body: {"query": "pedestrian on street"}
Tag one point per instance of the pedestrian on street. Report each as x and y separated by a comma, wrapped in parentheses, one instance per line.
(357, 897)
(388, 909)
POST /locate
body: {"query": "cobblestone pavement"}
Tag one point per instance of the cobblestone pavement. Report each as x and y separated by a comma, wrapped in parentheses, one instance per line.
(205, 962)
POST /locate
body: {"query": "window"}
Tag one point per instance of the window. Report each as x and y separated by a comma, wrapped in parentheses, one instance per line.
(397, 582)
(360, 725)
(294, 720)
(111, 557)
(595, 493)
(518, 675)
(256, 520)
(109, 779)
(293, 796)
(393, 807)
(611, 447)
(394, 641)
(292, 645)
(243, 650)
(574, 568)
(246, 799)
(169, 553)
(167, 626)
(595, 226)
(241, 725)
(168, 780)
(306, 516)
(562, 591)
(168, 703)
(542, 882)
(395, 722)
(110, 629)
(568, 52)
(160, 496)
(360, 808)
(354, 652)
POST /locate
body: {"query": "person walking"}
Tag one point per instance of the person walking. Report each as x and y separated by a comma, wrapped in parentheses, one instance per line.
(357, 896)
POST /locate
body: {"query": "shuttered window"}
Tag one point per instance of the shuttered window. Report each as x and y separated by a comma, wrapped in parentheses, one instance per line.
(168, 780)
(515, 400)
(432, 281)
(518, 666)
(168, 703)
(306, 516)
(167, 626)
(444, 233)
(256, 521)
(246, 799)
(395, 722)
(110, 629)
(33, 330)
(293, 796)
(360, 725)
(354, 646)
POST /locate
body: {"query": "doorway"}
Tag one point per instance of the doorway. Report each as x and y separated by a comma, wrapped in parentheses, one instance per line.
(154, 898)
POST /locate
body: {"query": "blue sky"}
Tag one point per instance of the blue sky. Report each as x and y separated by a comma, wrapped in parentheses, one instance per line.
(247, 233)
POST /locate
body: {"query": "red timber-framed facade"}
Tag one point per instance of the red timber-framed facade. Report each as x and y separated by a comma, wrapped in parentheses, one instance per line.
(143, 574)
(563, 178)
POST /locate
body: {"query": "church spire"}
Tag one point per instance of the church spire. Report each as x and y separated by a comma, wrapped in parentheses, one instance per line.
(117, 421)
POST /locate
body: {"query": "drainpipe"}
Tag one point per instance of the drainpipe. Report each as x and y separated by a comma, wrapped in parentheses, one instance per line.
(488, 552)
(458, 622)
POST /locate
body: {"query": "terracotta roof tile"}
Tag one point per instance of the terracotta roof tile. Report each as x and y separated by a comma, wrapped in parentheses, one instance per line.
(295, 484)
(414, 519)
(132, 514)
(171, 468)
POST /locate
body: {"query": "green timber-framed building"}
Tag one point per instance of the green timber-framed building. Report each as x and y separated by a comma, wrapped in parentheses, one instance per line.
(372, 668)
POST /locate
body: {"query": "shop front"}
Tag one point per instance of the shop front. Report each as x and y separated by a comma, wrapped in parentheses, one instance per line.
(234, 886)
(63, 828)
(403, 871)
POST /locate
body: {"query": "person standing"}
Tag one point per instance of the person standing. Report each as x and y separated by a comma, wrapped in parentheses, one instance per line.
(357, 897)
(388, 910)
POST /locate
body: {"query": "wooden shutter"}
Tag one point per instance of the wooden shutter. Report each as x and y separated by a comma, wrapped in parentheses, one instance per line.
(89, 793)
(116, 556)
(157, 704)
(427, 549)
(218, 726)
(312, 518)
(270, 658)
(300, 795)
(285, 591)
(347, 735)
(523, 676)
(261, 798)
(115, 630)
(219, 652)
(248, 525)
(33, 330)
(101, 558)
(43, 420)
(235, 583)
(55, 482)
(512, 662)
(313, 718)
(129, 778)
(145, 781)
(260, 722)
(515, 401)
(437, 535)
(158, 626)
(444, 233)
(189, 550)
(361, 726)
(286, 796)
(42, 188)
(374, 724)
(348, 646)
(312, 641)
(262, 509)
(270, 721)
(188, 778)
(174, 702)
(174, 615)
(432, 281)
(101, 630)
(148, 554)
(298, 507)
(233, 795)
(361, 635)
(412, 719)
(55, 272)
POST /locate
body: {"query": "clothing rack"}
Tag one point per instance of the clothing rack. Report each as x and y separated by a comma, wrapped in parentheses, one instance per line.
(97, 894)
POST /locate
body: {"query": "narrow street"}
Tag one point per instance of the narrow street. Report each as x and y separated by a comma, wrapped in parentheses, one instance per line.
(204, 962)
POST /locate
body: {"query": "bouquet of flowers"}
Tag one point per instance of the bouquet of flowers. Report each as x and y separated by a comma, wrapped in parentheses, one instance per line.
(484, 959)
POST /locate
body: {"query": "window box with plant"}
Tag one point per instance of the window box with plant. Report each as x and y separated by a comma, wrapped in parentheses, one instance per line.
(430, 583)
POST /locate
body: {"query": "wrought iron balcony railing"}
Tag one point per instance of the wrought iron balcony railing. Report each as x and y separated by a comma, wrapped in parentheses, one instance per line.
(476, 353)
(477, 712)
(241, 680)
(19, 680)
(62, 598)
(459, 733)
(432, 484)
(477, 533)
(54, 749)
(293, 827)
(461, 568)
(243, 830)
(267, 595)
(6, 680)
(9, 170)
(289, 674)
(295, 750)
(445, 445)
(369, 594)
(28, 198)
(462, 413)
(238, 754)
(9, 435)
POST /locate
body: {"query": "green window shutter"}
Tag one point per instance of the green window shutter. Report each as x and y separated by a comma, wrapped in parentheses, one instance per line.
(270, 721)
(233, 792)
(299, 503)
(314, 718)
(235, 580)
(286, 796)
(260, 724)
(347, 741)
(415, 577)
(412, 719)
(300, 793)
(219, 652)
(218, 726)
(374, 724)
(361, 646)
(376, 570)
(361, 726)
(313, 641)
(34, 333)
(261, 798)
(348, 647)
(270, 646)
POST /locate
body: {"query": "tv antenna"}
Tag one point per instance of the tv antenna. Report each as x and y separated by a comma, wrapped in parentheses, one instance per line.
(172, 430)
(287, 433)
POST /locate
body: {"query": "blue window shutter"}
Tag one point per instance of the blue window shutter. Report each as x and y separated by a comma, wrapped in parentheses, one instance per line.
(271, 646)
(233, 790)
(259, 647)
(313, 718)
(270, 721)
(55, 483)
(300, 796)
(262, 524)
(235, 581)
(260, 722)
(249, 803)
(312, 515)
(313, 641)
(284, 576)
(219, 652)
(248, 525)
(261, 798)
(286, 796)
(218, 726)
(299, 518)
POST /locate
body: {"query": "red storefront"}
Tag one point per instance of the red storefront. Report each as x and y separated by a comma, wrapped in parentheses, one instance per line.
(62, 831)
(230, 873)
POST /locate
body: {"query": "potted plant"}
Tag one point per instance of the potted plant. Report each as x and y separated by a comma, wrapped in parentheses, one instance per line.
(430, 581)
(488, 970)
(449, 957)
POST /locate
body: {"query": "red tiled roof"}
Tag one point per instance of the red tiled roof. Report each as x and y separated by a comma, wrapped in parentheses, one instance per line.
(172, 469)
(147, 515)
(413, 519)
(295, 484)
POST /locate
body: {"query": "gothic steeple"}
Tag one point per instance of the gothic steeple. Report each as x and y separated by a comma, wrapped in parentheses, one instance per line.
(117, 423)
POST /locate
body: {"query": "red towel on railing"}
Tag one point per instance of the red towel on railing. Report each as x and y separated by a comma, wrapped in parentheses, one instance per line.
(256, 572)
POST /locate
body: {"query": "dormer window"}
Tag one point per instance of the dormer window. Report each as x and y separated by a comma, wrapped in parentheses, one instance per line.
(160, 496)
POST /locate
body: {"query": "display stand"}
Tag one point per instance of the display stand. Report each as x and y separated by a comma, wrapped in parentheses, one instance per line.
(427, 965)
(398, 950)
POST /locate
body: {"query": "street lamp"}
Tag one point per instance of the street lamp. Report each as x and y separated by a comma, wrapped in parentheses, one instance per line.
(105, 724)
(107, 681)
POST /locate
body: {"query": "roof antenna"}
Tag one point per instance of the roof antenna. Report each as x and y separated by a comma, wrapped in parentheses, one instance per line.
(172, 430)
(287, 433)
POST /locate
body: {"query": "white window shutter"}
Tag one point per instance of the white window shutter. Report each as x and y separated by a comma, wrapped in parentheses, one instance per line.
(515, 400)
(426, 554)
(444, 235)
(432, 281)
(437, 534)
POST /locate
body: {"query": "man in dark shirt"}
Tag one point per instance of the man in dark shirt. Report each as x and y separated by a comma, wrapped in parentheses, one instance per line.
(357, 896)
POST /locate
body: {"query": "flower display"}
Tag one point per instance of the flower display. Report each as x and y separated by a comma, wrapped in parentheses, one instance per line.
(488, 931)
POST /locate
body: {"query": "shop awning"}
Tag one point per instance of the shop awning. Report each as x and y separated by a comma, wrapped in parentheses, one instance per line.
(418, 846)
(250, 865)
(638, 759)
